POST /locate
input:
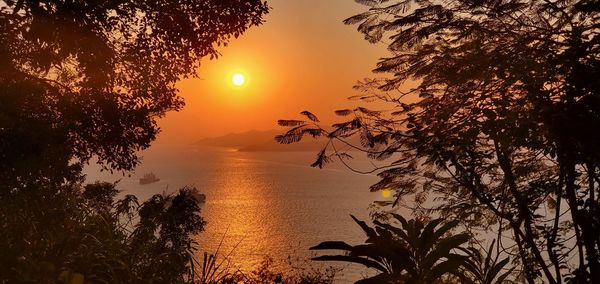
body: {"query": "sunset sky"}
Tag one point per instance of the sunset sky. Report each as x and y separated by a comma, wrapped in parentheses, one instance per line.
(302, 58)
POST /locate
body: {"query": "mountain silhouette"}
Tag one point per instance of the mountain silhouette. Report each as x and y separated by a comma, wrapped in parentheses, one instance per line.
(260, 141)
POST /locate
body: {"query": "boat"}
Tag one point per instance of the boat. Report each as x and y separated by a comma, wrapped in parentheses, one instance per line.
(149, 178)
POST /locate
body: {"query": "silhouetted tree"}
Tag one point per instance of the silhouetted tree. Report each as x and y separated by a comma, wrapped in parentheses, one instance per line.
(59, 235)
(416, 252)
(503, 123)
(486, 268)
(84, 78)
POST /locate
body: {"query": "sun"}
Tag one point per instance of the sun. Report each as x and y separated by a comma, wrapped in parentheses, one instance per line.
(238, 79)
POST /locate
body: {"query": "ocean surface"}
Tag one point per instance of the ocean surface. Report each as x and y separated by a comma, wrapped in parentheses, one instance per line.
(260, 203)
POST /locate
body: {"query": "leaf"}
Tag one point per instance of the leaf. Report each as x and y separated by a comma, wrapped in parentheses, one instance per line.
(314, 132)
(310, 116)
(293, 135)
(368, 111)
(290, 122)
(378, 279)
(448, 266)
(427, 238)
(345, 129)
(368, 230)
(488, 258)
(398, 231)
(357, 18)
(495, 270)
(343, 112)
(445, 228)
(322, 159)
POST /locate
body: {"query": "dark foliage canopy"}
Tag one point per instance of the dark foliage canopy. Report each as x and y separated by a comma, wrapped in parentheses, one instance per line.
(415, 252)
(502, 128)
(84, 78)
(76, 234)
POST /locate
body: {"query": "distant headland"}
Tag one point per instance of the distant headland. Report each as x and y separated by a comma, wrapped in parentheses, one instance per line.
(260, 141)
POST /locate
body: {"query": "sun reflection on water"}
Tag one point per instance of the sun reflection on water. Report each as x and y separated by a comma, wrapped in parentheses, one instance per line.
(244, 213)
(260, 204)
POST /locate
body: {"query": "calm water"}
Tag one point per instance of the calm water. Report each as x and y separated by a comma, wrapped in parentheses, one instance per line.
(259, 204)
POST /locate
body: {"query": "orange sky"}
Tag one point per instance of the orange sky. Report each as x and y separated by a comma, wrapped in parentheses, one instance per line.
(302, 58)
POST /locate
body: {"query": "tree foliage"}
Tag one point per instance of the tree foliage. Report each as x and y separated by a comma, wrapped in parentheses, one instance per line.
(416, 252)
(501, 129)
(75, 232)
(84, 78)
(486, 268)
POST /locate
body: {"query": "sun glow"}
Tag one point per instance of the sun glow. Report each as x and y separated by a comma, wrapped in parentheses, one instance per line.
(238, 79)
(386, 193)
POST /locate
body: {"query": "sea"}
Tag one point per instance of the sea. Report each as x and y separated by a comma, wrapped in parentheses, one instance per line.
(260, 204)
